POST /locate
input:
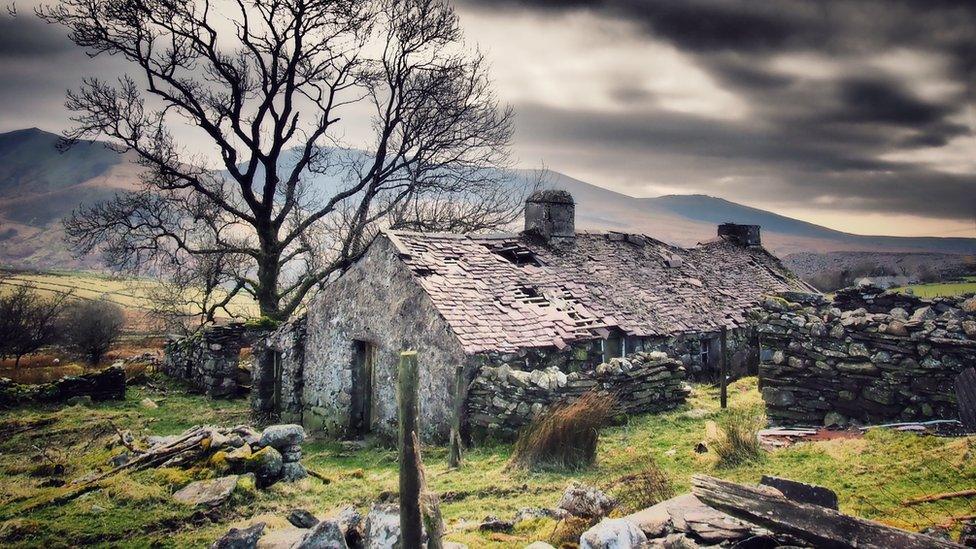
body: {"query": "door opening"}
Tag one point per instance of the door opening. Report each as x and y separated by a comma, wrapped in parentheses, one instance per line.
(276, 405)
(361, 407)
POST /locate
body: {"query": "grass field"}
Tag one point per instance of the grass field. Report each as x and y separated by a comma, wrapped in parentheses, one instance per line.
(871, 475)
(131, 294)
(943, 289)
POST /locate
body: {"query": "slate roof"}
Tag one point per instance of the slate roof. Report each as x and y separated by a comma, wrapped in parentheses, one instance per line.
(508, 292)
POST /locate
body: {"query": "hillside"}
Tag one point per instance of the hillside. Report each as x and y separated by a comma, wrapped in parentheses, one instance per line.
(39, 185)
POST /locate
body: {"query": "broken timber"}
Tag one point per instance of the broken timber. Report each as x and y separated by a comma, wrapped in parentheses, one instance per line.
(767, 507)
(937, 497)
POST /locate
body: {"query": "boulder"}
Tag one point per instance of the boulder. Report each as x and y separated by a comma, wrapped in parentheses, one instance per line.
(539, 545)
(351, 524)
(673, 541)
(382, 530)
(282, 538)
(266, 464)
(237, 538)
(301, 518)
(292, 471)
(291, 453)
(282, 436)
(495, 524)
(582, 500)
(326, 535)
(207, 493)
(969, 305)
(148, 403)
(613, 534)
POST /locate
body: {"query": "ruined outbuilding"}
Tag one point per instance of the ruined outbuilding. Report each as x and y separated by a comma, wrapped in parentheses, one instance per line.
(549, 298)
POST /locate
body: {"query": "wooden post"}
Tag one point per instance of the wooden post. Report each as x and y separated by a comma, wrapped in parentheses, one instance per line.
(454, 460)
(411, 522)
(724, 369)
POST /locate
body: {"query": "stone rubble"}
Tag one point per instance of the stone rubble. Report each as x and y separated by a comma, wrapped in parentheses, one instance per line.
(502, 399)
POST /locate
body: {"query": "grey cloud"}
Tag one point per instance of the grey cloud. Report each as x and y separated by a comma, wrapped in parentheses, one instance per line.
(704, 155)
(26, 36)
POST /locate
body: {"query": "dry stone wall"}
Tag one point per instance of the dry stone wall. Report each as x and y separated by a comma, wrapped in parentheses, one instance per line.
(868, 356)
(209, 360)
(277, 373)
(107, 384)
(501, 399)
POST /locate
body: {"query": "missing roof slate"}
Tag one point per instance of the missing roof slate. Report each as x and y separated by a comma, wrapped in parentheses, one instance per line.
(518, 255)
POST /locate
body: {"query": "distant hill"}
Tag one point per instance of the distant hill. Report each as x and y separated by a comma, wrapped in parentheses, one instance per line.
(39, 185)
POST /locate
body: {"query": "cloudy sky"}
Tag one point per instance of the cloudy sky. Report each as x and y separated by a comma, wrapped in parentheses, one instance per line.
(858, 115)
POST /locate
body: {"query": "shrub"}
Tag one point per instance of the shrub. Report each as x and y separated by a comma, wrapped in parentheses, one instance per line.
(27, 321)
(565, 436)
(642, 490)
(738, 440)
(91, 327)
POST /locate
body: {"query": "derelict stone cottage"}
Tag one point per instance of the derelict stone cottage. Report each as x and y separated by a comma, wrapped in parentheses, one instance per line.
(546, 305)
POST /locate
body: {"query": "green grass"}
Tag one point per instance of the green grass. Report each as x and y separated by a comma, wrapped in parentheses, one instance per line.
(942, 289)
(871, 475)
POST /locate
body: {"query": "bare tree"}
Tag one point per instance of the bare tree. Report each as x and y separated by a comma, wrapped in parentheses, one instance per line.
(91, 327)
(268, 84)
(27, 320)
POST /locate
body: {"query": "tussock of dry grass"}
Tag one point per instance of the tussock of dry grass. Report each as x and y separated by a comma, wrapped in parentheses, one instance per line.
(642, 490)
(564, 437)
(738, 440)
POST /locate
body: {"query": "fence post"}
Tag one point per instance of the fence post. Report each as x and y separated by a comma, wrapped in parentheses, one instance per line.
(454, 460)
(724, 369)
(411, 522)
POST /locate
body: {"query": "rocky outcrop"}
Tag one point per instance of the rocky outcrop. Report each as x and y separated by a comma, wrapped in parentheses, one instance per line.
(868, 356)
(501, 399)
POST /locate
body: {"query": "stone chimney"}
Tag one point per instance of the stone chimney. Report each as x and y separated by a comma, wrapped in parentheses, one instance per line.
(551, 215)
(747, 235)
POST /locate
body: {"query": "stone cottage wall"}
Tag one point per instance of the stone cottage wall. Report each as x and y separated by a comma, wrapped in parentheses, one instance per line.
(869, 356)
(501, 399)
(208, 360)
(377, 301)
(286, 345)
(686, 348)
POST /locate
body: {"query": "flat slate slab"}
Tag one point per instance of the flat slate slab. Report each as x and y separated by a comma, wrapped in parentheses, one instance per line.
(686, 513)
(209, 493)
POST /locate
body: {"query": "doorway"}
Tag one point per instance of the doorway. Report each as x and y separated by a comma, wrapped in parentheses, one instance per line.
(276, 368)
(361, 407)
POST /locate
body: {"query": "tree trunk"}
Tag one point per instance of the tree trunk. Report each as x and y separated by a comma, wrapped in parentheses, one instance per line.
(266, 293)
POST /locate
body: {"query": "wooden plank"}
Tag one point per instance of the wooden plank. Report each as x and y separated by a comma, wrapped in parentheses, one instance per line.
(411, 521)
(966, 397)
(767, 507)
(937, 497)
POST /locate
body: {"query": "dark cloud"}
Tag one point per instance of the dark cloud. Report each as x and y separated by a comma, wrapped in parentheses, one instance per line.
(27, 36)
(886, 102)
(745, 162)
(811, 140)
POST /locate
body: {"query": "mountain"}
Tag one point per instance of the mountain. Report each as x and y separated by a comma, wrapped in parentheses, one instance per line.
(39, 185)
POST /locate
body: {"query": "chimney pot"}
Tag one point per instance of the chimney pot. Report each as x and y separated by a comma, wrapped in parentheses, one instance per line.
(551, 215)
